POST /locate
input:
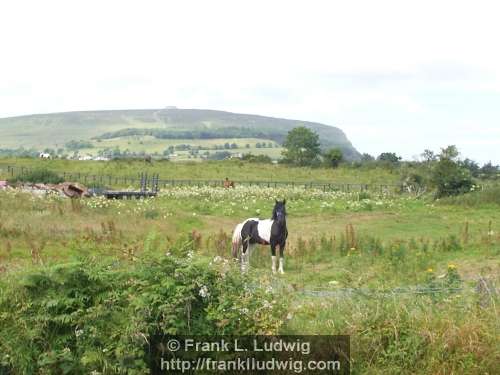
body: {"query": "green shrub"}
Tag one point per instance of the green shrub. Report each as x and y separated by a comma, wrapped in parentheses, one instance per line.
(449, 176)
(257, 158)
(41, 176)
(90, 316)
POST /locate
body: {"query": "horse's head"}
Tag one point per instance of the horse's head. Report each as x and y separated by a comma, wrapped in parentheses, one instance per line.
(279, 210)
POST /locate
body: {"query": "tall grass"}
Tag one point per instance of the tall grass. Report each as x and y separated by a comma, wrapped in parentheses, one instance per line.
(412, 282)
(208, 170)
(481, 198)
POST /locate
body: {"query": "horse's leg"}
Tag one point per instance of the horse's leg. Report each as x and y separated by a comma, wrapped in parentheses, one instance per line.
(282, 259)
(273, 257)
(251, 247)
(244, 255)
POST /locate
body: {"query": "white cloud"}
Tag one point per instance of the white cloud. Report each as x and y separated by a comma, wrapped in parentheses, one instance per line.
(358, 64)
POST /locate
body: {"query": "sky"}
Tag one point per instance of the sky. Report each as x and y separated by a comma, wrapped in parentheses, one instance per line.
(395, 76)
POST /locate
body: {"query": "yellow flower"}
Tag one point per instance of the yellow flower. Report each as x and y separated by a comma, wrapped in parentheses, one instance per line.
(430, 270)
(451, 266)
(353, 248)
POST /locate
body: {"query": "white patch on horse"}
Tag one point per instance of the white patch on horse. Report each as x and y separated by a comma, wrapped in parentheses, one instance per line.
(264, 229)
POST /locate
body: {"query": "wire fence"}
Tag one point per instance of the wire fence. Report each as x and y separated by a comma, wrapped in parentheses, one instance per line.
(108, 180)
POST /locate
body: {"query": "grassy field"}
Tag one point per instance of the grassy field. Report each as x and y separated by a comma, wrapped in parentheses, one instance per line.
(398, 274)
(208, 170)
(151, 145)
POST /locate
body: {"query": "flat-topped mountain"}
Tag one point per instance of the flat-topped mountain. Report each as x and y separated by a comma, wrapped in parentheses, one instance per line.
(55, 130)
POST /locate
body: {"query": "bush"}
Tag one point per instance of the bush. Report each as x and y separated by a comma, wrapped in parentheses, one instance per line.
(333, 157)
(43, 176)
(257, 158)
(449, 177)
(90, 316)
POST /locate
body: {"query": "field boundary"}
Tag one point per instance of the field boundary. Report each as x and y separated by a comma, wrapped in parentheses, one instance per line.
(100, 180)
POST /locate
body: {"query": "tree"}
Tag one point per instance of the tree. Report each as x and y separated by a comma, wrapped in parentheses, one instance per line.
(489, 170)
(367, 157)
(450, 152)
(333, 157)
(428, 156)
(389, 157)
(301, 146)
(449, 176)
(472, 166)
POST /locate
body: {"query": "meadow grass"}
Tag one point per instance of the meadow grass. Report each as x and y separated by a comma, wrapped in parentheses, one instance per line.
(400, 275)
(209, 170)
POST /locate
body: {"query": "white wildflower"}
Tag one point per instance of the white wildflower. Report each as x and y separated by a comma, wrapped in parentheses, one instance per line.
(204, 292)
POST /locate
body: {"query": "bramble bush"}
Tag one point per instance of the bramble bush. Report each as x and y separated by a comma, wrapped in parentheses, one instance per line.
(91, 316)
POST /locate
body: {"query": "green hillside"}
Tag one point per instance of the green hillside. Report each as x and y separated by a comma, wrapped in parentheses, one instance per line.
(131, 127)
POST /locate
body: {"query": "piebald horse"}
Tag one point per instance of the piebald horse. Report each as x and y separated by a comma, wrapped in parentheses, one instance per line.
(265, 232)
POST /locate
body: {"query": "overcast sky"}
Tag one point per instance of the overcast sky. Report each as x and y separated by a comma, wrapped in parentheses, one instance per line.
(397, 76)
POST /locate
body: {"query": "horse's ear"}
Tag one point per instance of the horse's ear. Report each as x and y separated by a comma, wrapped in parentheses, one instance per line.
(284, 201)
(276, 201)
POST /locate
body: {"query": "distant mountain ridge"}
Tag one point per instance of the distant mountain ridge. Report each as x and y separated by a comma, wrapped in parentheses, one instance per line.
(56, 129)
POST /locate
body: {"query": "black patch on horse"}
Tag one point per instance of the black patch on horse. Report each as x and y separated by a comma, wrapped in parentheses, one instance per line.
(250, 234)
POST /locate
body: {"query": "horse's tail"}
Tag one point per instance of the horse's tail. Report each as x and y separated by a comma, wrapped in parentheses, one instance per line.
(236, 242)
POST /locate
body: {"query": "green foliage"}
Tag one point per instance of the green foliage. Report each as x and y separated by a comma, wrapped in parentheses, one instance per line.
(257, 158)
(227, 132)
(77, 145)
(367, 158)
(302, 146)
(472, 166)
(477, 198)
(333, 157)
(89, 315)
(389, 157)
(41, 175)
(489, 171)
(449, 177)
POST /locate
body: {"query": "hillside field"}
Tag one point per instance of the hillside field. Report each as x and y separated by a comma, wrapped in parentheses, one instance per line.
(411, 280)
(151, 145)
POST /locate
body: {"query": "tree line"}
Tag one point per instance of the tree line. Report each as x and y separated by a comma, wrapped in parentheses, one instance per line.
(445, 171)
